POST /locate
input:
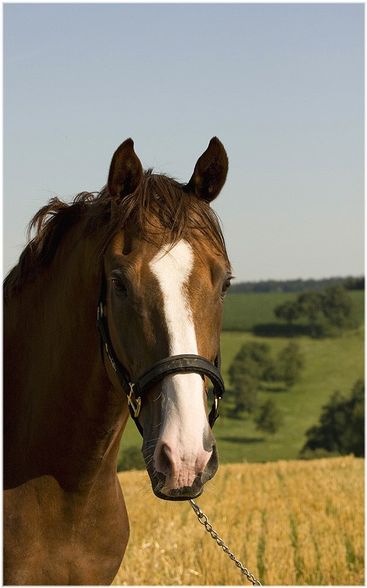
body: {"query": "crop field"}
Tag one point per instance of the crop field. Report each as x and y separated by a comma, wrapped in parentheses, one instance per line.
(289, 522)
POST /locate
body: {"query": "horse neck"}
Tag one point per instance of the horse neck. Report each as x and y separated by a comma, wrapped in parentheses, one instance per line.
(68, 416)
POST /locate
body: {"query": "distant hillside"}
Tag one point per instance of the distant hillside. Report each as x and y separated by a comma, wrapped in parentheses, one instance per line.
(244, 310)
(299, 285)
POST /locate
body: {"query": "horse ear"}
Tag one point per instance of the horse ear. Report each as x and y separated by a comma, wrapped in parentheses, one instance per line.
(125, 170)
(210, 172)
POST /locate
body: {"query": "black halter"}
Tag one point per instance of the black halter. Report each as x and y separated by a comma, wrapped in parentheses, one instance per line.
(175, 364)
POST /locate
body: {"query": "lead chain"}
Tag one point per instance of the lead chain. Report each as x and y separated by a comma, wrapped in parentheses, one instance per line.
(203, 519)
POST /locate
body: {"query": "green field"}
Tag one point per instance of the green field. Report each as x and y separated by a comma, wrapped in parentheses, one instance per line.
(243, 311)
(330, 364)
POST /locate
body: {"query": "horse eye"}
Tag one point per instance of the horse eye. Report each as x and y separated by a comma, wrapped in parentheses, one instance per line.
(119, 286)
(226, 285)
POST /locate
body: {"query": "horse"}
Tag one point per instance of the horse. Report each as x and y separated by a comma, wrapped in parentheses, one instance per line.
(148, 254)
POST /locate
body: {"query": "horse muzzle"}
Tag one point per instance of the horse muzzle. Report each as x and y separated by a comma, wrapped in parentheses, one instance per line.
(180, 482)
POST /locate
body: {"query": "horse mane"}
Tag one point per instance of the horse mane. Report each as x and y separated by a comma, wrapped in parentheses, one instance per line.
(159, 206)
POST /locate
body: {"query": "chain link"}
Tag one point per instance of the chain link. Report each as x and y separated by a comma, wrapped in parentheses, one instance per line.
(203, 519)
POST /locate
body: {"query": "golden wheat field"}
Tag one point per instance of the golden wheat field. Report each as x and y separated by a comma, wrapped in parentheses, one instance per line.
(289, 522)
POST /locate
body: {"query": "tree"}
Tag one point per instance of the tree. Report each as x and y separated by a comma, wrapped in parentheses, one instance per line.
(337, 306)
(289, 311)
(290, 364)
(252, 358)
(269, 418)
(310, 305)
(245, 373)
(245, 390)
(341, 425)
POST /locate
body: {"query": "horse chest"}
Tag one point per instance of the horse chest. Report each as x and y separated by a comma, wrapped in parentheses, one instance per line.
(55, 538)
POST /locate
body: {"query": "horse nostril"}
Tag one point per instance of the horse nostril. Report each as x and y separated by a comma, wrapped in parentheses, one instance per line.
(211, 466)
(164, 459)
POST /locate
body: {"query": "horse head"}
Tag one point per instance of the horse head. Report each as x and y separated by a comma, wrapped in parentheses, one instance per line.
(166, 272)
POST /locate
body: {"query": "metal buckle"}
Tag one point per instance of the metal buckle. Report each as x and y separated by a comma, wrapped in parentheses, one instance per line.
(216, 405)
(135, 403)
(214, 412)
(100, 311)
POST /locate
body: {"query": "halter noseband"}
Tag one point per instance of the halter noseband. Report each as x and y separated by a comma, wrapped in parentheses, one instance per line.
(175, 364)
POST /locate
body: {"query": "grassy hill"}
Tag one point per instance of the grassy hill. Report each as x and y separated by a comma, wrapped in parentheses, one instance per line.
(291, 523)
(330, 364)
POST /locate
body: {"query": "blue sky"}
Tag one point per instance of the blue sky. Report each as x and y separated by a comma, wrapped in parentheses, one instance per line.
(280, 85)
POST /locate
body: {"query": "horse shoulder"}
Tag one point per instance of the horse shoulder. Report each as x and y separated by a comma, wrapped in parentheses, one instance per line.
(54, 536)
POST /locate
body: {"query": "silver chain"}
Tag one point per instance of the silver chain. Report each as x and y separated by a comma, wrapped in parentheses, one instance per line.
(203, 519)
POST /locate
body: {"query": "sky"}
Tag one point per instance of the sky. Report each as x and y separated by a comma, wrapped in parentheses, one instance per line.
(280, 84)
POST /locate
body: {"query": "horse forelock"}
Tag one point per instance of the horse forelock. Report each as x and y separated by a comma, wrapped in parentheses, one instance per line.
(160, 208)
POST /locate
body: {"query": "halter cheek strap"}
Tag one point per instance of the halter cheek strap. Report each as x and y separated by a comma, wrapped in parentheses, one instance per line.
(175, 364)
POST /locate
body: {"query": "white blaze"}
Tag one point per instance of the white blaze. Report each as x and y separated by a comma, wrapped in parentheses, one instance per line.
(172, 268)
(184, 419)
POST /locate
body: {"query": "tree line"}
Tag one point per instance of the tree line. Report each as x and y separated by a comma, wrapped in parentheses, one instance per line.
(298, 285)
